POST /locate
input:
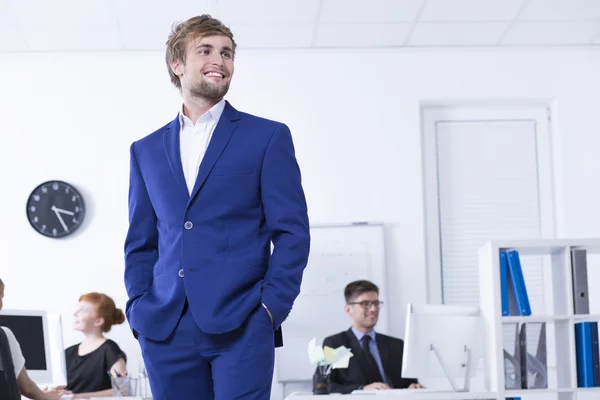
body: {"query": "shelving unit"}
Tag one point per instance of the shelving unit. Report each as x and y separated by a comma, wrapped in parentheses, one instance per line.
(557, 312)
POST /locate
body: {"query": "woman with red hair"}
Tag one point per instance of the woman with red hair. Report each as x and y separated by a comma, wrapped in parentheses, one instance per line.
(89, 362)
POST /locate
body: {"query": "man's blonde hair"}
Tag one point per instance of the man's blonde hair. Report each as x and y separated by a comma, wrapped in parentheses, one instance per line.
(182, 32)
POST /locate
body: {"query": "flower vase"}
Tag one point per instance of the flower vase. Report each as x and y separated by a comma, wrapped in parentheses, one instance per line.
(321, 383)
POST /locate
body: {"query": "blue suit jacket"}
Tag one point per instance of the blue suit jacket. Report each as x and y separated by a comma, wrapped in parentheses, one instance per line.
(248, 193)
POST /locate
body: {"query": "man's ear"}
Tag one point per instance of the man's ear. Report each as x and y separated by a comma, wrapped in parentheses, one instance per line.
(177, 67)
(348, 309)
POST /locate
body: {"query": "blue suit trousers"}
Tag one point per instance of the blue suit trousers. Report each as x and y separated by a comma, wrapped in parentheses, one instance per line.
(194, 365)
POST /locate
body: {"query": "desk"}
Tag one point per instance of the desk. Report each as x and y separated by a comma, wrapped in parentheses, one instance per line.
(397, 394)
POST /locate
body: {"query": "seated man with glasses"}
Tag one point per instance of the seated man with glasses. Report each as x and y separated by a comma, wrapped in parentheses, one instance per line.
(377, 360)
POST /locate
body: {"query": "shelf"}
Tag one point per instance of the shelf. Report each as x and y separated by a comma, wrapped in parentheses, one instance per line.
(552, 295)
(549, 318)
(546, 246)
(535, 318)
(525, 392)
(581, 389)
(586, 317)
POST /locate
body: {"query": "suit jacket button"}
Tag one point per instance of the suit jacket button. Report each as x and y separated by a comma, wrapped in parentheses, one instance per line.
(188, 225)
(180, 273)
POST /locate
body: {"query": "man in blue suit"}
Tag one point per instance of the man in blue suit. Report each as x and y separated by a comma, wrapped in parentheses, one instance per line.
(209, 192)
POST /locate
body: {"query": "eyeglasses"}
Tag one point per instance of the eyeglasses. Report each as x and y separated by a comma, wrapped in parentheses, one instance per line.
(368, 303)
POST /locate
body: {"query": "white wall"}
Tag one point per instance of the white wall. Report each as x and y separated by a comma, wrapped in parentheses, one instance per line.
(355, 117)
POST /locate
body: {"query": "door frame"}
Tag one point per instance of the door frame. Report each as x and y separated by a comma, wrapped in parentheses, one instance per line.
(431, 116)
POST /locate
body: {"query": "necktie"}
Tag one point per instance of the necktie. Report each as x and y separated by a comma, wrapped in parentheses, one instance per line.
(373, 368)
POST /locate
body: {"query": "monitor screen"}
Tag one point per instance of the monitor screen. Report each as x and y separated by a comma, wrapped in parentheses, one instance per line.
(29, 331)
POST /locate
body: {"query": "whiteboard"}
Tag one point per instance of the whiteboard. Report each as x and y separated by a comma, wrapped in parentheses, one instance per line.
(338, 256)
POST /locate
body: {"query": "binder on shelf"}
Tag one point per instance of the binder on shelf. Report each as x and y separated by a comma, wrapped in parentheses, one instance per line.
(504, 283)
(522, 342)
(533, 367)
(581, 302)
(523, 369)
(512, 357)
(595, 354)
(518, 283)
(512, 368)
(536, 365)
(584, 353)
(510, 290)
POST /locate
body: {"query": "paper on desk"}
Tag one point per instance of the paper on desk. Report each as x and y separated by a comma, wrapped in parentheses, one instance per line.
(315, 353)
(329, 354)
(342, 357)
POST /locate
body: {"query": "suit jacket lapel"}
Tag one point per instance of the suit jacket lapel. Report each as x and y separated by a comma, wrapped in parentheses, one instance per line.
(220, 138)
(171, 143)
(359, 356)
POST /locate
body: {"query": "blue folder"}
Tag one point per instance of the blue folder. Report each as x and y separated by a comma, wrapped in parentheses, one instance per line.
(517, 284)
(584, 353)
(504, 283)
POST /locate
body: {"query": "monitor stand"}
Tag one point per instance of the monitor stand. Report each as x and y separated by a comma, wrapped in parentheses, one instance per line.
(466, 365)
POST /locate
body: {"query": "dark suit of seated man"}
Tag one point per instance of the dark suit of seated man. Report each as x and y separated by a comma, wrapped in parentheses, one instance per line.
(377, 359)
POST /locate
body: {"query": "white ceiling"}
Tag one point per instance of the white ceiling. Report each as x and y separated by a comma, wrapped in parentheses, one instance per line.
(113, 25)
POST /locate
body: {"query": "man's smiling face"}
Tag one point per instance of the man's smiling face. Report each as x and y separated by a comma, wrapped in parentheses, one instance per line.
(208, 67)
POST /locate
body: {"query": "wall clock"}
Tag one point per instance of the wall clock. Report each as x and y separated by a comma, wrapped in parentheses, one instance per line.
(55, 209)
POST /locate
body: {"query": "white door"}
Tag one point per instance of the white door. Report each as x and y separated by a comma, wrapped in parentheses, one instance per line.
(488, 175)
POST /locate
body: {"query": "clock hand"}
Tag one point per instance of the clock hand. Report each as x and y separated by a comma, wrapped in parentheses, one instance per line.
(53, 208)
(60, 210)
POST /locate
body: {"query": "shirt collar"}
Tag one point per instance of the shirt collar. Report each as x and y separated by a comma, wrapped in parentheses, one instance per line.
(359, 335)
(215, 112)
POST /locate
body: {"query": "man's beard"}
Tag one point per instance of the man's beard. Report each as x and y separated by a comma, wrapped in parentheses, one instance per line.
(207, 90)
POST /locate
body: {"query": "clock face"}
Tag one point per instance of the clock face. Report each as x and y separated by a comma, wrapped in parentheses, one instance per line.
(55, 209)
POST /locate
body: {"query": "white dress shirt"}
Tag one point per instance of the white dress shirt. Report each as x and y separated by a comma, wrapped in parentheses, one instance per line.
(194, 140)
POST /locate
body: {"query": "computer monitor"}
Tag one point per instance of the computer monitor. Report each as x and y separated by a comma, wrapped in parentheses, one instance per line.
(442, 341)
(41, 343)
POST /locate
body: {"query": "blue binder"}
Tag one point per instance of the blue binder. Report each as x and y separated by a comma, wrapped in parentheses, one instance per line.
(517, 284)
(584, 350)
(504, 283)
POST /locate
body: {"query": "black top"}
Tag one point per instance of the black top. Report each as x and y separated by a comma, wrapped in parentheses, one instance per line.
(9, 389)
(358, 373)
(89, 373)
